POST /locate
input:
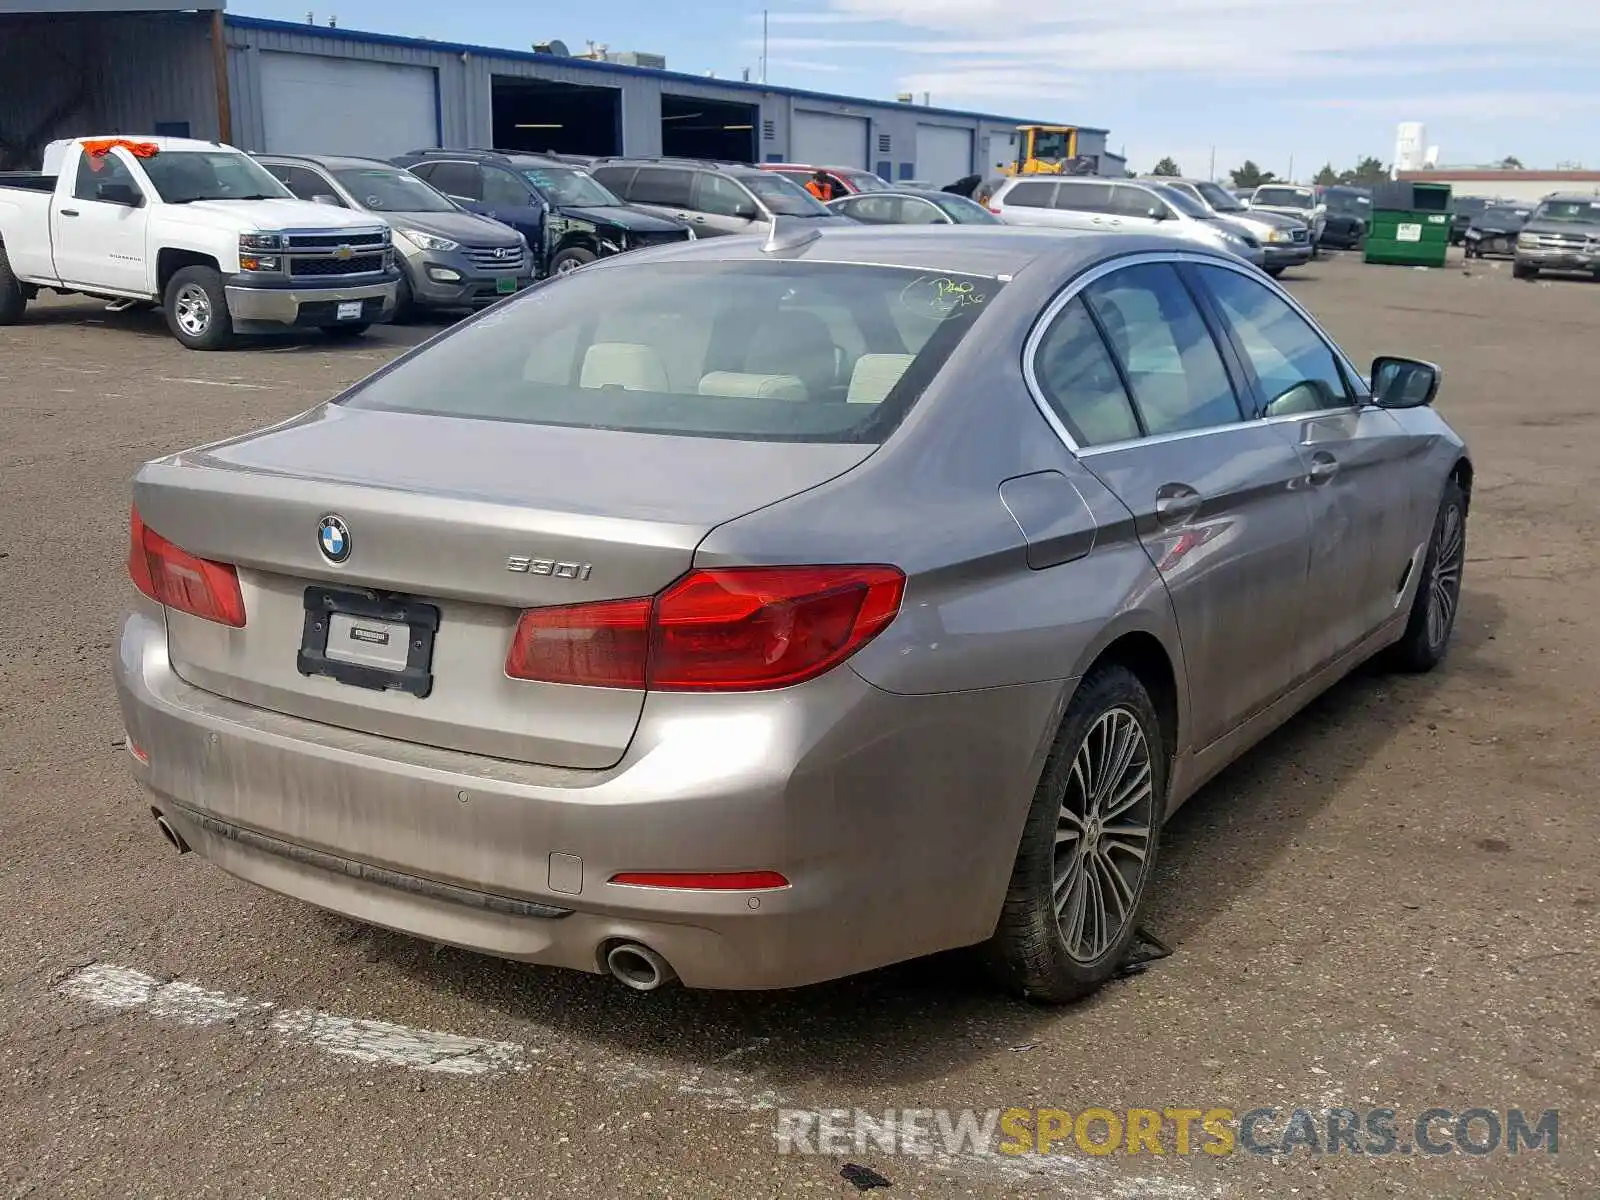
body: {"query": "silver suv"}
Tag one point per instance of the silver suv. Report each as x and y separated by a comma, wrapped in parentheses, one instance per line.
(1119, 206)
(714, 198)
(1285, 241)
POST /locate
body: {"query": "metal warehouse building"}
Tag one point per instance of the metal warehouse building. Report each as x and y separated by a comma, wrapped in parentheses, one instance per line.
(147, 66)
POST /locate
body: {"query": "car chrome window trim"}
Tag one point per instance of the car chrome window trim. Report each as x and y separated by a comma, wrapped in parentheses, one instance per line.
(1076, 286)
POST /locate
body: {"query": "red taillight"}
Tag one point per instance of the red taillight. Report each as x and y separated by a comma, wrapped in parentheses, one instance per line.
(994, 210)
(736, 629)
(179, 580)
(602, 645)
(704, 881)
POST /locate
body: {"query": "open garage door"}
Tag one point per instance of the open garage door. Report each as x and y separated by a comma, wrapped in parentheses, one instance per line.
(568, 118)
(313, 104)
(944, 153)
(828, 139)
(717, 129)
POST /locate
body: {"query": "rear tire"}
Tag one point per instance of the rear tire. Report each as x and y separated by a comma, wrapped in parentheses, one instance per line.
(196, 307)
(13, 301)
(1273, 271)
(1433, 610)
(1068, 920)
(347, 333)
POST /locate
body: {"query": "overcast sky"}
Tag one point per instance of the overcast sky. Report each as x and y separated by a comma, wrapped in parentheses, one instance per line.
(1318, 80)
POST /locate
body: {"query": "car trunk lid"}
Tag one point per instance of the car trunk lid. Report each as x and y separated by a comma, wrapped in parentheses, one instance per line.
(474, 521)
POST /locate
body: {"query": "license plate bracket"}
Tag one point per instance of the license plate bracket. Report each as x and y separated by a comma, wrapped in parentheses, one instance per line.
(349, 310)
(363, 628)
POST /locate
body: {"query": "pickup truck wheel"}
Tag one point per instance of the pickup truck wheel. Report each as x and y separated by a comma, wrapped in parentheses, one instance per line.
(348, 332)
(569, 261)
(197, 309)
(13, 301)
(1523, 271)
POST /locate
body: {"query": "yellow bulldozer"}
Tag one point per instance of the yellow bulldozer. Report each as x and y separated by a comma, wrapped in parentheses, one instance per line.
(1047, 150)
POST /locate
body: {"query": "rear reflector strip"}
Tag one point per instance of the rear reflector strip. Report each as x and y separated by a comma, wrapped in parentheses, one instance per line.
(704, 881)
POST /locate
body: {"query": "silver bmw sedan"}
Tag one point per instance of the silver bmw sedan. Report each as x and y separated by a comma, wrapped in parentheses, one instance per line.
(753, 613)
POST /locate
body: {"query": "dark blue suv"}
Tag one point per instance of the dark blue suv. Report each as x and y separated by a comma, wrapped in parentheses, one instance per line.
(568, 217)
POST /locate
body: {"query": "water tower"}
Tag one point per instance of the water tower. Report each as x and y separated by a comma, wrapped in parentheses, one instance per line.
(1410, 146)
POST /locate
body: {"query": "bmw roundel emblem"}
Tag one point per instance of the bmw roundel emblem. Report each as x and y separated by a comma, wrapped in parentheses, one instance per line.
(333, 536)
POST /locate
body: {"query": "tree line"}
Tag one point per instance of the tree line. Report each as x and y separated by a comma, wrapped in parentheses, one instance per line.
(1366, 173)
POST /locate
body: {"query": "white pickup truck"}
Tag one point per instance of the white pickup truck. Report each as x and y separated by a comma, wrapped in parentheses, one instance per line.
(198, 228)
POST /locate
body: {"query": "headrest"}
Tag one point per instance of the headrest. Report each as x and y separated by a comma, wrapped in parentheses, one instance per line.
(875, 376)
(754, 387)
(626, 365)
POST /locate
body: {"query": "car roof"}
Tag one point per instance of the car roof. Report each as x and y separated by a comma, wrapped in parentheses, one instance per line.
(333, 162)
(984, 250)
(918, 193)
(794, 166)
(1571, 198)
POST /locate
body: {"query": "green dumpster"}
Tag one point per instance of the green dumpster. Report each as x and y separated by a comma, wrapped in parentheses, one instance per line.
(1410, 224)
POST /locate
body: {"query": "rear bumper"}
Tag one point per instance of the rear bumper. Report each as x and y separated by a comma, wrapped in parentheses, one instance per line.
(894, 818)
(300, 306)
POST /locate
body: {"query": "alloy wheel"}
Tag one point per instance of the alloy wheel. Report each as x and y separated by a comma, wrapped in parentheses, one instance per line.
(1103, 835)
(192, 310)
(1444, 585)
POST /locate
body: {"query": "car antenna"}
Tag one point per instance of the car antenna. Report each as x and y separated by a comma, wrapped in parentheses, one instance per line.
(788, 234)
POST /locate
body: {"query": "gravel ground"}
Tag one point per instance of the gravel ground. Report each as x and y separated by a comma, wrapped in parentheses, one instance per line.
(1392, 903)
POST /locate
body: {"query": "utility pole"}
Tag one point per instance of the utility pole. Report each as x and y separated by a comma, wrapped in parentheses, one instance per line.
(763, 45)
(1212, 175)
(1291, 168)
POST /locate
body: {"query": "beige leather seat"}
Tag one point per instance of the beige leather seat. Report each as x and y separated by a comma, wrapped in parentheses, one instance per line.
(743, 384)
(626, 365)
(875, 376)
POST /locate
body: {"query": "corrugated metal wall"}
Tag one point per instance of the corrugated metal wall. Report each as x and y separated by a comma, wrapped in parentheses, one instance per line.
(466, 83)
(104, 74)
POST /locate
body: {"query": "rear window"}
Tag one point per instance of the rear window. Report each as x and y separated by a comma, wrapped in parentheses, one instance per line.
(766, 351)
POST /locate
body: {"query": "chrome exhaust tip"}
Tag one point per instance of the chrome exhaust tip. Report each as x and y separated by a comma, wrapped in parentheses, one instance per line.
(638, 967)
(174, 838)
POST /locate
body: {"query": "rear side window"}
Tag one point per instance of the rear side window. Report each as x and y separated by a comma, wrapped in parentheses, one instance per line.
(1166, 351)
(1084, 197)
(1080, 381)
(773, 351)
(1029, 195)
(660, 185)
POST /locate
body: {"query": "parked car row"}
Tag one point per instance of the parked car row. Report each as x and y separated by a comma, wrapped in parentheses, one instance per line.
(200, 229)
(338, 242)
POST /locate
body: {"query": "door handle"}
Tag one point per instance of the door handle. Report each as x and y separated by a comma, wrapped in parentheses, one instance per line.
(1324, 467)
(69, 212)
(1176, 503)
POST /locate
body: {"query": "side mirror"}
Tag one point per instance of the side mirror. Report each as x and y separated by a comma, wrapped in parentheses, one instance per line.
(747, 212)
(119, 193)
(325, 198)
(1156, 213)
(1404, 382)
